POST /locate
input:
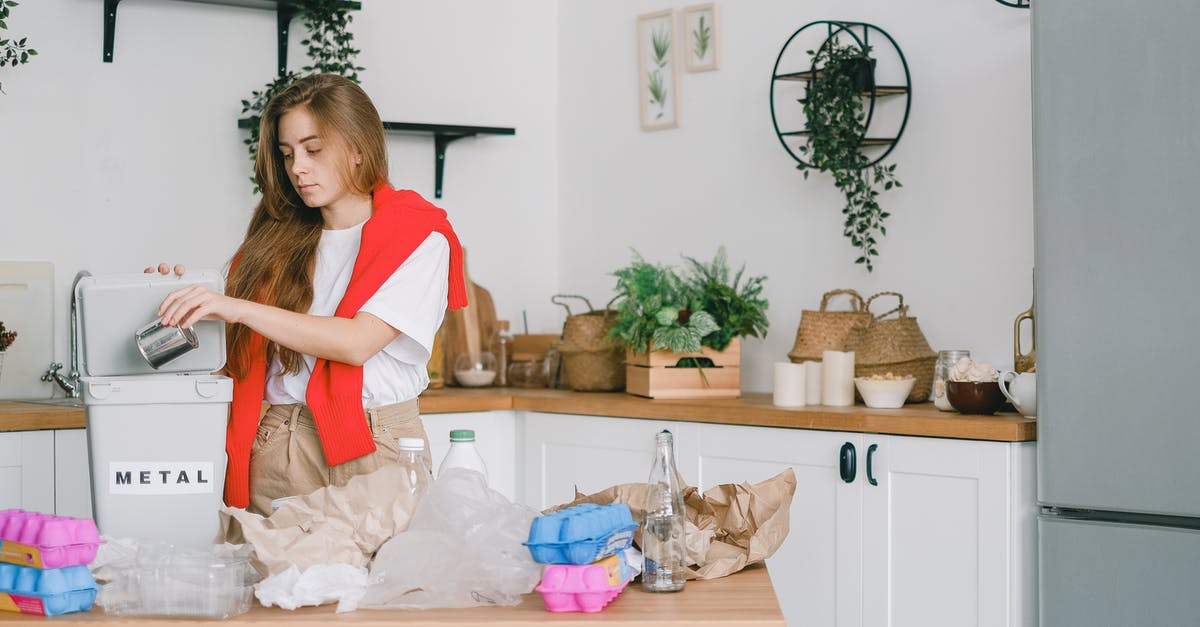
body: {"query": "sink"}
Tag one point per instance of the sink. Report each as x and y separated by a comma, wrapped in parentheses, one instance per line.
(60, 402)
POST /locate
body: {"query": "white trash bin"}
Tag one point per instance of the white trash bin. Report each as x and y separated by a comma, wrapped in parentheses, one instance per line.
(156, 438)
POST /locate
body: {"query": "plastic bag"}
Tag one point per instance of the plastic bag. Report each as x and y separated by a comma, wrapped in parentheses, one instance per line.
(463, 548)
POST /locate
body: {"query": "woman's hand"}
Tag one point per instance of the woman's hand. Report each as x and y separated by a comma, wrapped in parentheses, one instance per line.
(187, 306)
(164, 269)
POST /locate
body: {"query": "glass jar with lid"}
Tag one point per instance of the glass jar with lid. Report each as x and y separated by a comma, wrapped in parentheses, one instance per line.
(941, 372)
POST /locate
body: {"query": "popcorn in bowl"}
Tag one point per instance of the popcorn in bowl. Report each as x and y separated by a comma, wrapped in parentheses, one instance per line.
(969, 370)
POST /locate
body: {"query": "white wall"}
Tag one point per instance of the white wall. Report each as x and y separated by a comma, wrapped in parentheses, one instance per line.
(111, 167)
(960, 239)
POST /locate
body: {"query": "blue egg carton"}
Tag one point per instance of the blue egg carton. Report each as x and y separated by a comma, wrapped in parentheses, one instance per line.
(46, 592)
(581, 534)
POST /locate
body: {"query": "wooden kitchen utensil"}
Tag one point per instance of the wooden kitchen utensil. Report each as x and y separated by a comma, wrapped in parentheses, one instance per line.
(469, 329)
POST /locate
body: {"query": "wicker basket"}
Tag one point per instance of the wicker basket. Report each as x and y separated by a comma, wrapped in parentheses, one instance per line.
(591, 362)
(894, 345)
(823, 330)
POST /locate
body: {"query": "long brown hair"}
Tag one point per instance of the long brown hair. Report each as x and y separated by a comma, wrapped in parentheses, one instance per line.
(274, 265)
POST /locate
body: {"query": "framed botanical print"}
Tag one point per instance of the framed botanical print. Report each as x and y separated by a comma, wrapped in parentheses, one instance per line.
(658, 76)
(700, 37)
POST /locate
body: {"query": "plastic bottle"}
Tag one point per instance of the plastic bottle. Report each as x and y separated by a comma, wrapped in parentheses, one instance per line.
(463, 454)
(663, 526)
(502, 349)
(412, 457)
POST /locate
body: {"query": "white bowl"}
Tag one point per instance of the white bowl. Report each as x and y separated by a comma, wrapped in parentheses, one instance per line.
(884, 393)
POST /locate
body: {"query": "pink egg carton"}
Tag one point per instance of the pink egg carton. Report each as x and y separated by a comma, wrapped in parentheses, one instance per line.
(583, 588)
(45, 540)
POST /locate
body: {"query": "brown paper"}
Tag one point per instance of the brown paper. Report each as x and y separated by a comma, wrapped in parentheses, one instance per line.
(339, 524)
(730, 526)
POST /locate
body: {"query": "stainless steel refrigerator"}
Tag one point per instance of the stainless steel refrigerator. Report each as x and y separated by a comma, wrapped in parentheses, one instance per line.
(1116, 101)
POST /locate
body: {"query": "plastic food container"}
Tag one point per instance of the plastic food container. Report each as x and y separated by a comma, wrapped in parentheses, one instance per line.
(583, 588)
(48, 592)
(46, 541)
(581, 534)
(165, 580)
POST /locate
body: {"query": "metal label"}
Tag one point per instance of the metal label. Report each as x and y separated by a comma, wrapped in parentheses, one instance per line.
(149, 478)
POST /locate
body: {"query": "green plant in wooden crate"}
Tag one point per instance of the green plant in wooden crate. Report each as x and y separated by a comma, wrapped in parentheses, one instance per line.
(836, 124)
(655, 305)
(330, 49)
(13, 52)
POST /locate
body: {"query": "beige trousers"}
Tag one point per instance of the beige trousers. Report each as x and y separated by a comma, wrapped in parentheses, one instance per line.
(287, 459)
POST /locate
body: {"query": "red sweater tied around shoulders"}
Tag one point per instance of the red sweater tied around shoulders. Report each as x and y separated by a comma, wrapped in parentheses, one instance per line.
(400, 221)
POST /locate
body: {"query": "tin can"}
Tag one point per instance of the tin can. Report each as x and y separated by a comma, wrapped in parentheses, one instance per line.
(160, 344)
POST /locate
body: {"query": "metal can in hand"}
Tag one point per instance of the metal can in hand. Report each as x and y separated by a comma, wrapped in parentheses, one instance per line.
(159, 344)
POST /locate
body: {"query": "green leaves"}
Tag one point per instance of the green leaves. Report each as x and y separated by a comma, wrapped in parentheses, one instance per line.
(836, 119)
(12, 53)
(704, 307)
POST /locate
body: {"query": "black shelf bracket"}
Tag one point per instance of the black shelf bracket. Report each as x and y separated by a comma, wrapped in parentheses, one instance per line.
(443, 135)
(285, 10)
(1016, 4)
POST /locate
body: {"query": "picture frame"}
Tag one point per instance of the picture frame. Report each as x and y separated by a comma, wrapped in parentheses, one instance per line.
(701, 40)
(658, 75)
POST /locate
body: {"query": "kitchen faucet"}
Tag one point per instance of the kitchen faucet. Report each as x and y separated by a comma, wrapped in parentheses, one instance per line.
(70, 381)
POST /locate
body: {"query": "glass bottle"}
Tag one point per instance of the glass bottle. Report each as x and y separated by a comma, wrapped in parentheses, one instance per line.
(941, 373)
(412, 458)
(463, 454)
(663, 525)
(502, 349)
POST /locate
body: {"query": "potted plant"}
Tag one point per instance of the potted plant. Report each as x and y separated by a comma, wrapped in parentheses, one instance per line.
(13, 52)
(6, 340)
(833, 107)
(330, 50)
(681, 331)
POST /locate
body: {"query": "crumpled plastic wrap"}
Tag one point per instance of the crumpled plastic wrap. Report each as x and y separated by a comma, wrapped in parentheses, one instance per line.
(463, 548)
(318, 585)
(728, 528)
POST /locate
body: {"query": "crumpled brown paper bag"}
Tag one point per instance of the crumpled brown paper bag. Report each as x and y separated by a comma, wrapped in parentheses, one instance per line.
(730, 526)
(338, 524)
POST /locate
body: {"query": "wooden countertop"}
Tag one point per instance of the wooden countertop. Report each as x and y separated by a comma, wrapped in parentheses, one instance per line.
(754, 409)
(744, 598)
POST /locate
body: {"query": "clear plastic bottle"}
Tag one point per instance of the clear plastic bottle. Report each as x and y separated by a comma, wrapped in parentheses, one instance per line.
(663, 526)
(502, 349)
(463, 454)
(412, 457)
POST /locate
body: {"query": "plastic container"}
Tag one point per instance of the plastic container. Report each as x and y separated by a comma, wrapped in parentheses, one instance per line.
(156, 438)
(46, 541)
(463, 454)
(166, 580)
(48, 592)
(583, 588)
(412, 457)
(581, 534)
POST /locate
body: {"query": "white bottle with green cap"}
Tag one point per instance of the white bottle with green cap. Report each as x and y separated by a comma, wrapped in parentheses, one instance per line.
(463, 454)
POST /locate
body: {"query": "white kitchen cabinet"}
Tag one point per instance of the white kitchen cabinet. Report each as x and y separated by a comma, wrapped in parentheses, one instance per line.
(496, 438)
(72, 474)
(27, 471)
(817, 572)
(565, 452)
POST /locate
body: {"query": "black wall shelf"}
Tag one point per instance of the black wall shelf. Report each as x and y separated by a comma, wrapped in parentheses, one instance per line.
(285, 10)
(443, 135)
(859, 34)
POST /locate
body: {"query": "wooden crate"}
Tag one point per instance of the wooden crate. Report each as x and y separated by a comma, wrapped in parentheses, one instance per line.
(653, 374)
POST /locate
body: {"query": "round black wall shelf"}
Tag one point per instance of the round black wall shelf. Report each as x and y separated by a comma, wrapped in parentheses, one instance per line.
(793, 66)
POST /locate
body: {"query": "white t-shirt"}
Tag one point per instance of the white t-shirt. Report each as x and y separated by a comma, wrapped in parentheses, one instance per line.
(413, 301)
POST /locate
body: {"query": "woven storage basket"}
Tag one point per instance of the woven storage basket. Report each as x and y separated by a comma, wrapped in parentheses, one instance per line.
(591, 362)
(823, 330)
(894, 345)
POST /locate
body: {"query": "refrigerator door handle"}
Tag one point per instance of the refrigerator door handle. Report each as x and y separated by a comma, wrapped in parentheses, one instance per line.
(870, 456)
(849, 463)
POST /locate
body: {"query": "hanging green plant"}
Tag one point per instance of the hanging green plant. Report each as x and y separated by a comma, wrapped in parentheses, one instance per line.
(13, 52)
(330, 50)
(836, 125)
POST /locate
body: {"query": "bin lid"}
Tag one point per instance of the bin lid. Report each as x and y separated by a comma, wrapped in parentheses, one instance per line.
(110, 308)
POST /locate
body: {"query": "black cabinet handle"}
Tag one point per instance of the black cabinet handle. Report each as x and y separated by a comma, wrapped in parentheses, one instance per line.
(871, 452)
(848, 463)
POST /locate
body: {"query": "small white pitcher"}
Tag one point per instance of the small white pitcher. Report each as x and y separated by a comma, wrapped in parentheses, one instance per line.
(1021, 390)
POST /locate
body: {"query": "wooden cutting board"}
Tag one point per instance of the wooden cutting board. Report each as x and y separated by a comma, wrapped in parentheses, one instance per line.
(27, 307)
(469, 329)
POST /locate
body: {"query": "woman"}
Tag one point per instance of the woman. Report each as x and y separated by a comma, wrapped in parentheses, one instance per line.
(332, 300)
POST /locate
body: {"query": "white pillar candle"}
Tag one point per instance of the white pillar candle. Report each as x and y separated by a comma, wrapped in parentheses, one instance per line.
(789, 384)
(812, 382)
(837, 378)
